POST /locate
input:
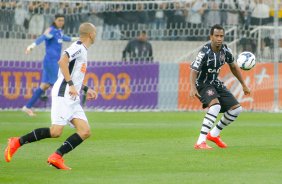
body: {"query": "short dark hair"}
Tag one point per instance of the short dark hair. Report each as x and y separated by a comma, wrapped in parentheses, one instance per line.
(59, 15)
(216, 26)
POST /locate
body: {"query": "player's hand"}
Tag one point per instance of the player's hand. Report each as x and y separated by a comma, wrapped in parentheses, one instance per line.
(91, 94)
(74, 39)
(29, 48)
(73, 93)
(246, 90)
(194, 93)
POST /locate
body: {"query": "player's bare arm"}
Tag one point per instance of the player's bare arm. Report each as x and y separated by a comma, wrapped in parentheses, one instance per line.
(64, 66)
(236, 72)
(90, 93)
(193, 89)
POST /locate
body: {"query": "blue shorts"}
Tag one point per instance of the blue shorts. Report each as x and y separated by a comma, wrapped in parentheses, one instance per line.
(50, 73)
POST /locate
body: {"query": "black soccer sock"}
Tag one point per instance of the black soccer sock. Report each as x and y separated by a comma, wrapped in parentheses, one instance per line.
(71, 142)
(35, 135)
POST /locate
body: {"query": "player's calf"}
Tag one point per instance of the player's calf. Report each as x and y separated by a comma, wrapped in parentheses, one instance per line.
(227, 118)
(208, 122)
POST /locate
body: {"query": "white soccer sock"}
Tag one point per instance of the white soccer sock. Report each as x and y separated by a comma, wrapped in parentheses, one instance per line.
(208, 122)
(227, 118)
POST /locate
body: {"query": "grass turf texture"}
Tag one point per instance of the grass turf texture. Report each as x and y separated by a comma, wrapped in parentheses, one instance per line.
(147, 147)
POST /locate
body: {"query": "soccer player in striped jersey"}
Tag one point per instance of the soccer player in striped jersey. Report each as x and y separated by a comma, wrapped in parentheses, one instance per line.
(211, 91)
(53, 38)
(66, 108)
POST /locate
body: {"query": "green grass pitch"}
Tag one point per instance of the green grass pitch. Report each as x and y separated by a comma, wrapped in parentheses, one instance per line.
(147, 148)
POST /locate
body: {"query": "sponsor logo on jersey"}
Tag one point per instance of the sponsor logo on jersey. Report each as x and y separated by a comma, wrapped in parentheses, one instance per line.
(76, 53)
(210, 70)
(198, 60)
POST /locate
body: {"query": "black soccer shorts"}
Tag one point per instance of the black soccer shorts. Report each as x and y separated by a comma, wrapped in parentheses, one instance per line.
(209, 92)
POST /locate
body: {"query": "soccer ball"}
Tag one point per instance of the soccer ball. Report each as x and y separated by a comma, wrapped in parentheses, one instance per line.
(246, 60)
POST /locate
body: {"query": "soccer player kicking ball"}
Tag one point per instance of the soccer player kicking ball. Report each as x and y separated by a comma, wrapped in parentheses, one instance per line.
(66, 106)
(211, 91)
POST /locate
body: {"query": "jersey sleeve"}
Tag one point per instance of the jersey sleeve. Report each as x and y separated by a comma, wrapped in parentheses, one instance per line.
(73, 52)
(48, 34)
(66, 38)
(229, 58)
(199, 61)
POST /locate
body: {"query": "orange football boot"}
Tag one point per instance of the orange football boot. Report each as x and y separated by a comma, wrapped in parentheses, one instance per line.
(12, 147)
(57, 161)
(203, 146)
(217, 140)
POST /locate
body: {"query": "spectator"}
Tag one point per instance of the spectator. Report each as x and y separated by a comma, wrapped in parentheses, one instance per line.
(233, 13)
(159, 21)
(272, 12)
(21, 20)
(7, 8)
(112, 22)
(260, 14)
(36, 24)
(73, 19)
(96, 18)
(196, 11)
(195, 18)
(212, 12)
(176, 19)
(247, 12)
(48, 15)
(138, 49)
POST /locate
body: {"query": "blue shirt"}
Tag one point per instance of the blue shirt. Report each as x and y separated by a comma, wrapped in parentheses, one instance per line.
(53, 38)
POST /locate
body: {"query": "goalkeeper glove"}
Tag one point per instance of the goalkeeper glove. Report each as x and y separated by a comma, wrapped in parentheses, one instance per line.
(74, 39)
(29, 48)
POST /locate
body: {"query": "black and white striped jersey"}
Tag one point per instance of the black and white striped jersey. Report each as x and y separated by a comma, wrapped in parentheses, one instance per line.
(77, 54)
(208, 64)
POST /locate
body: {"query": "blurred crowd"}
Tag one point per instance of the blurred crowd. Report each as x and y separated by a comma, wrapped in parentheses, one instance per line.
(171, 20)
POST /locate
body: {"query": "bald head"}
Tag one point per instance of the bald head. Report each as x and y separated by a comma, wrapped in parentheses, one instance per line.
(87, 32)
(86, 28)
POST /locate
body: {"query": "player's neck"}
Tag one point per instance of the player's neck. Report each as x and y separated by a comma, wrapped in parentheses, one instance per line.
(85, 42)
(215, 48)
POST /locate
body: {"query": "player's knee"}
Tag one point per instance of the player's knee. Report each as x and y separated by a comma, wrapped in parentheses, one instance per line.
(215, 108)
(55, 133)
(84, 134)
(237, 111)
(44, 86)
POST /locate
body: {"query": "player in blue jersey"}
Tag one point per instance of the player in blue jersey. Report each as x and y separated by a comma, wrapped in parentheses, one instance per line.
(53, 38)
